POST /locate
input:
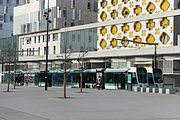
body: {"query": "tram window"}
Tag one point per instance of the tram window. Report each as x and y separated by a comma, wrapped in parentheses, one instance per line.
(150, 78)
(134, 80)
(117, 77)
(76, 77)
(158, 76)
(91, 78)
(109, 78)
(142, 75)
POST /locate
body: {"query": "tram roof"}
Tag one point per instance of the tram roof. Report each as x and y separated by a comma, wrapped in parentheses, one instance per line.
(116, 70)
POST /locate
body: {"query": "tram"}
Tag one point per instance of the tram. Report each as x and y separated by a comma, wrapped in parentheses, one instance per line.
(121, 78)
(137, 77)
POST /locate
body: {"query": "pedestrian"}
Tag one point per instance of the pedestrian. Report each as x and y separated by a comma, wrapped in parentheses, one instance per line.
(98, 83)
(101, 83)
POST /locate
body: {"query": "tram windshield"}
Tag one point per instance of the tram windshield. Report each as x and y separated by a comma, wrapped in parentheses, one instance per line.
(109, 78)
(142, 75)
(158, 77)
(150, 78)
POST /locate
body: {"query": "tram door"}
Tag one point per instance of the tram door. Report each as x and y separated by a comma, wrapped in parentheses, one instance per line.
(123, 80)
(119, 79)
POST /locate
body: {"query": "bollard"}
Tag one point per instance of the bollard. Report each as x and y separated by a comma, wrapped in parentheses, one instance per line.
(162, 90)
(147, 90)
(135, 89)
(155, 90)
(170, 91)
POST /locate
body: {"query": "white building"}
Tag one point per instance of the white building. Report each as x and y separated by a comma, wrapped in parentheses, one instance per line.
(64, 13)
(27, 17)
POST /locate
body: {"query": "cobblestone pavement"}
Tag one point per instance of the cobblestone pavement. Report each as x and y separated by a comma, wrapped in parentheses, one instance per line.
(33, 103)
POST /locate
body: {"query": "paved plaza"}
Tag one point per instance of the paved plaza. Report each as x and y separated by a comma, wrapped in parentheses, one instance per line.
(33, 103)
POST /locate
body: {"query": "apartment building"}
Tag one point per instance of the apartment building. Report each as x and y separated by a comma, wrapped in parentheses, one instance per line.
(64, 13)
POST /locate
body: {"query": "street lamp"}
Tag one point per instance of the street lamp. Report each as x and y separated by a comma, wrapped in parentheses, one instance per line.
(46, 15)
(155, 48)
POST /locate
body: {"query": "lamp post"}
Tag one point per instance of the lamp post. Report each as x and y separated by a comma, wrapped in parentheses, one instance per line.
(14, 82)
(155, 49)
(46, 15)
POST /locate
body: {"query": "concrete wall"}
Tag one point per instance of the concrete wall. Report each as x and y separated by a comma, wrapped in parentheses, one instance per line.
(170, 80)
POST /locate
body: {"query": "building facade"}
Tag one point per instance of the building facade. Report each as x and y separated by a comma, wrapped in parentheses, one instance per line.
(152, 30)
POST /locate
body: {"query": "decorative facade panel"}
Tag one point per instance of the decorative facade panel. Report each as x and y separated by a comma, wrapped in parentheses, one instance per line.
(159, 30)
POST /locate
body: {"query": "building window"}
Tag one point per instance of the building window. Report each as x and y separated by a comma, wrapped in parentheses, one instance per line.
(1, 26)
(28, 1)
(54, 50)
(90, 39)
(43, 38)
(27, 51)
(45, 50)
(72, 3)
(79, 14)
(42, 4)
(39, 50)
(23, 28)
(8, 1)
(81, 48)
(22, 52)
(34, 39)
(95, 6)
(22, 41)
(33, 52)
(48, 38)
(6, 9)
(28, 40)
(11, 18)
(89, 5)
(65, 13)
(80, 22)
(1, 18)
(17, 2)
(73, 37)
(79, 37)
(74, 14)
(28, 28)
(1, 2)
(72, 23)
(55, 37)
(39, 39)
(30, 52)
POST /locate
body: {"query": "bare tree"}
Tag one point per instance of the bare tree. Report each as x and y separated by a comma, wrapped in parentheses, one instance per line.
(65, 38)
(9, 50)
(81, 63)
